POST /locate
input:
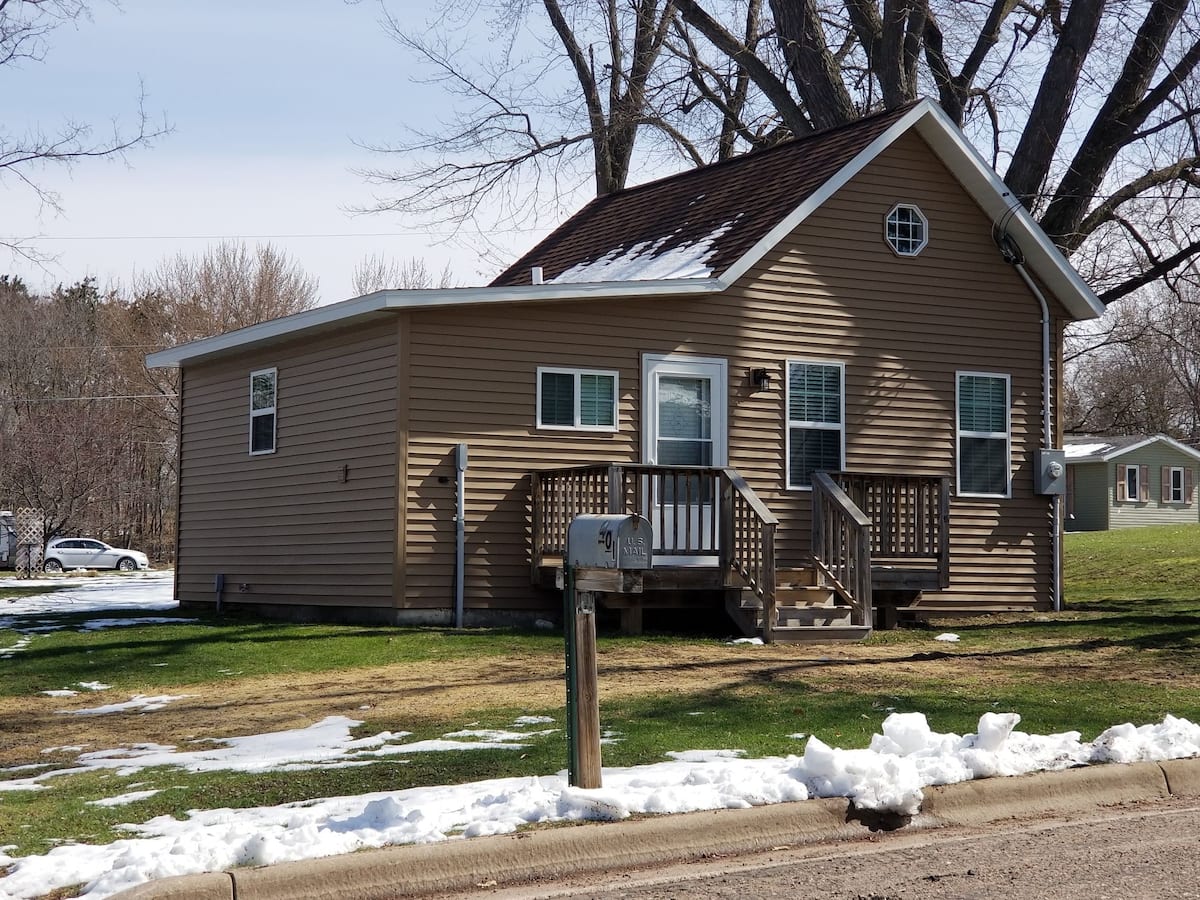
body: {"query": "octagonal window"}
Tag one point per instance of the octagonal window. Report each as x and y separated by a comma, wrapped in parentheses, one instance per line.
(906, 230)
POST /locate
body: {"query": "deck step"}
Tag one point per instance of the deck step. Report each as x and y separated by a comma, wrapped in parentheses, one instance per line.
(795, 577)
(819, 634)
(804, 595)
(825, 616)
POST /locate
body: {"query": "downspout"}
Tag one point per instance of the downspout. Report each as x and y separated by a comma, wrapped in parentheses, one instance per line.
(1013, 256)
(460, 532)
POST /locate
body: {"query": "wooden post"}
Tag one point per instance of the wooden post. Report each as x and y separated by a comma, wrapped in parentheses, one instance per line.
(725, 539)
(586, 769)
(616, 490)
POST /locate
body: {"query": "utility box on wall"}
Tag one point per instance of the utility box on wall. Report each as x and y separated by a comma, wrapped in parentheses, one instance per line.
(1050, 472)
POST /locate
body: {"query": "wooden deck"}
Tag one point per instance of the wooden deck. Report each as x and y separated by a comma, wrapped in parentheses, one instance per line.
(713, 534)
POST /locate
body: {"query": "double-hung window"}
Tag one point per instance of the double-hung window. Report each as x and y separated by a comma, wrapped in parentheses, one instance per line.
(262, 411)
(984, 435)
(816, 420)
(1177, 493)
(580, 399)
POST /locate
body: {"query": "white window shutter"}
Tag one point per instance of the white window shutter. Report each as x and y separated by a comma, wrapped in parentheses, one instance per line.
(1122, 481)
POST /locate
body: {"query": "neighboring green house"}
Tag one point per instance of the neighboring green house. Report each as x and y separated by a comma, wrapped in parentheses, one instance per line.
(1131, 480)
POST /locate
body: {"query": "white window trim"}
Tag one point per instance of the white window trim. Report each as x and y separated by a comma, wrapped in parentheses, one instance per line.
(577, 373)
(788, 424)
(1178, 470)
(959, 434)
(924, 230)
(271, 410)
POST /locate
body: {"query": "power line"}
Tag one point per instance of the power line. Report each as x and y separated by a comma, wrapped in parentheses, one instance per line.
(107, 397)
(251, 237)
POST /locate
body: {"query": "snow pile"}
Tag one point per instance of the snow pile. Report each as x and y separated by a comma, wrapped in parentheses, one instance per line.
(887, 776)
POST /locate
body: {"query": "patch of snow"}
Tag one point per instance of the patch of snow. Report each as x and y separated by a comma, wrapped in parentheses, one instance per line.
(62, 693)
(101, 624)
(124, 799)
(498, 736)
(752, 641)
(94, 685)
(889, 775)
(138, 703)
(1078, 451)
(649, 261)
(147, 591)
(948, 637)
(533, 720)
(21, 644)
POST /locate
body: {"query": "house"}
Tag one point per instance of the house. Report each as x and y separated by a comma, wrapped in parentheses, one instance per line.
(1129, 480)
(823, 371)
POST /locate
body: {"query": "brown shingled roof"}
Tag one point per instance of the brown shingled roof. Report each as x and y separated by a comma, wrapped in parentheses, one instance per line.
(754, 192)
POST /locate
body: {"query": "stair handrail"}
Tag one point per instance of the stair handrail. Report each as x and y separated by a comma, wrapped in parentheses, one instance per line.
(841, 545)
(748, 543)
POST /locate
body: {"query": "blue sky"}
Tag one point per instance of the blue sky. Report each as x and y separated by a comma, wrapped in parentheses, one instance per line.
(266, 100)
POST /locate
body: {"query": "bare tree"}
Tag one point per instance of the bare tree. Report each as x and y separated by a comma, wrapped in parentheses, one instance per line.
(25, 29)
(1090, 108)
(1144, 377)
(378, 273)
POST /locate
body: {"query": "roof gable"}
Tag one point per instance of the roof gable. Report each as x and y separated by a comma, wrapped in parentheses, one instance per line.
(1090, 448)
(718, 221)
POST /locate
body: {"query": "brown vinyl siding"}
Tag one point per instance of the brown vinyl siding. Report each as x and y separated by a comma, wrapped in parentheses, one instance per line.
(832, 291)
(286, 524)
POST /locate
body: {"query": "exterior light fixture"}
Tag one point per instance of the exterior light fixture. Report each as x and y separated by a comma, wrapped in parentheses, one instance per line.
(761, 379)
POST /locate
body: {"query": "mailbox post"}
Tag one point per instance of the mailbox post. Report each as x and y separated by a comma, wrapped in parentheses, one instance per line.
(604, 554)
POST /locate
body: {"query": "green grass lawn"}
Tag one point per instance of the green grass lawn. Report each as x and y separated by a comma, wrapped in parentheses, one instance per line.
(1155, 562)
(1126, 648)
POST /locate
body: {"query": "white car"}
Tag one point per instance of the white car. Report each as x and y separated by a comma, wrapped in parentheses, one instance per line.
(86, 553)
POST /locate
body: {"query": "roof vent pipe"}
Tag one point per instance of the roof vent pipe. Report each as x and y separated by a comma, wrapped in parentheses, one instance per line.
(535, 275)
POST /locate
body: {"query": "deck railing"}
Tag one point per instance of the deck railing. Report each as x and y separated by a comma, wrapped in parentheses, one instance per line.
(910, 516)
(695, 511)
(841, 545)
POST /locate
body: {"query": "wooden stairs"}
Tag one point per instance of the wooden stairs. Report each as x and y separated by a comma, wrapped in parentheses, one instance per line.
(805, 611)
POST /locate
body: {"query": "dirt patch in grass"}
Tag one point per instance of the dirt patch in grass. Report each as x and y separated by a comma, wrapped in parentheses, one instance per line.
(410, 694)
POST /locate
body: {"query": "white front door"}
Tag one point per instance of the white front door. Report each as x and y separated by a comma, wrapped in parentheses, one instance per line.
(684, 424)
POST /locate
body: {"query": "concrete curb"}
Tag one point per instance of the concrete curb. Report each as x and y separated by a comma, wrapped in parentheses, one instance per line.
(557, 852)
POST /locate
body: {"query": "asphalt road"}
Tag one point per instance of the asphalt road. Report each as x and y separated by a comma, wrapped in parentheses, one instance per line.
(1148, 850)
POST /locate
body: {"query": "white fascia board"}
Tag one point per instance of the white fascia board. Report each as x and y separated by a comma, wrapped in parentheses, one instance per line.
(978, 179)
(348, 311)
(988, 190)
(1182, 448)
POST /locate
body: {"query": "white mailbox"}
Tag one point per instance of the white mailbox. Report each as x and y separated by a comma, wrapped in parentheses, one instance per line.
(609, 542)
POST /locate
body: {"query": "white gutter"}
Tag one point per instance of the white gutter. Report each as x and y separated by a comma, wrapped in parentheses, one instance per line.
(383, 302)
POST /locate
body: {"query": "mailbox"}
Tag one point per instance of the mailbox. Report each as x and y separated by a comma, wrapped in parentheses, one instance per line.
(609, 542)
(1050, 472)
